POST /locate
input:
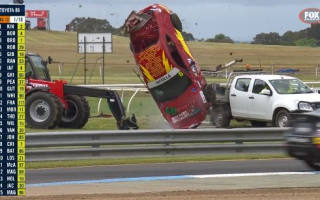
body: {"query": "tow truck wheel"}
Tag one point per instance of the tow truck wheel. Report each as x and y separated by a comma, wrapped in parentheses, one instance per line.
(176, 22)
(43, 110)
(313, 164)
(220, 117)
(78, 113)
(282, 119)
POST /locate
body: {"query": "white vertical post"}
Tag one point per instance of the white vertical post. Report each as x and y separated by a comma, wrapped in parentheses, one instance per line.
(317, 68)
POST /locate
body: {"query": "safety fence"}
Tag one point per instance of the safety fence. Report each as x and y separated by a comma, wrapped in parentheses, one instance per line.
(78, 145)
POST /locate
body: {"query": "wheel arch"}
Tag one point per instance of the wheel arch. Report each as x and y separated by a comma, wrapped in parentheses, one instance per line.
(275, 112)
(37, 89)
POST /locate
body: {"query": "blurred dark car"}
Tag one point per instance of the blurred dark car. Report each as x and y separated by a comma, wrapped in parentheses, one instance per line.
(303, 141)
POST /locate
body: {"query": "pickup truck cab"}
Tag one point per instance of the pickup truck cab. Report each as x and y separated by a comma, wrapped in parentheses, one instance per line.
(261, 99)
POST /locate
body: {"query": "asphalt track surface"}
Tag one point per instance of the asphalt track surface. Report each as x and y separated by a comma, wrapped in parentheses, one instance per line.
(35, 176)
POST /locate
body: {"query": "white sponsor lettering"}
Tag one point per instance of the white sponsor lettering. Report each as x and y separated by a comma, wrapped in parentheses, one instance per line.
(38, 85)
(180, 117)
(163, 79)
(311, 15)
(203, 97)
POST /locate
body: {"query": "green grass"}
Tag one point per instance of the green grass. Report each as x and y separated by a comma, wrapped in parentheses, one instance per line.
(122, 161)
(143, 106)
(62, 47)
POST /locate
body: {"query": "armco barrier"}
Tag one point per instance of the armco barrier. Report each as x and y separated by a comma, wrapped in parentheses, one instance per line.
(152, 143)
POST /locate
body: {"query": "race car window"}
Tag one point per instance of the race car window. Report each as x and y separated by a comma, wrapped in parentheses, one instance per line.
(174, 52)
(172, 88)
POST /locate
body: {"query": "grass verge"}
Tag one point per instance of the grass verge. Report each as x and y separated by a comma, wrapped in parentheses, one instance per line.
(127, 161)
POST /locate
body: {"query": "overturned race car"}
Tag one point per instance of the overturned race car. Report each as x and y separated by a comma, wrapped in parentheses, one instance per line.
(167, 66)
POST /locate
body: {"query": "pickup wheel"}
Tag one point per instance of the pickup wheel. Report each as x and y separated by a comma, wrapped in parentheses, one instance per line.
(78, 113)
(258, 123)
(220, 116)
(43, 110)
(282, 118)
(313, 164)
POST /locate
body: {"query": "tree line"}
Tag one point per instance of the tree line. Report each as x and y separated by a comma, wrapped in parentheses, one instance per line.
(306, 37)
(93, 25)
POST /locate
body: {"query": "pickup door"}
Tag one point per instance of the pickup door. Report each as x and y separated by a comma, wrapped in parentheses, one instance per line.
(247, 102)
(239, 97)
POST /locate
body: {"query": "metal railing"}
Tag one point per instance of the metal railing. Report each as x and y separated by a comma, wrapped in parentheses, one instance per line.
(152, 143)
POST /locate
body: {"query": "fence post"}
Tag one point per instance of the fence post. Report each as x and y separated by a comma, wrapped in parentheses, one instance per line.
(317, 68)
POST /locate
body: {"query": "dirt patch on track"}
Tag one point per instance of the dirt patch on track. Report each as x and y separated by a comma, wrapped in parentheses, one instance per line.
(253, 194)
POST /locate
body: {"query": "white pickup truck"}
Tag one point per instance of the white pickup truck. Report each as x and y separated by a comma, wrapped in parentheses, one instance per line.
(261, 99)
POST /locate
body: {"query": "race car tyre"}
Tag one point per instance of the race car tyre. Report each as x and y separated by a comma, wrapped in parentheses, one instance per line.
(313, 164)
(78, 113)
(43, 110)
(176, 22)
(258, 123)
(221, 117)
(282, 119)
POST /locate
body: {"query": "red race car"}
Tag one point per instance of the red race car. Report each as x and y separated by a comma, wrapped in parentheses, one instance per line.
(168, 68)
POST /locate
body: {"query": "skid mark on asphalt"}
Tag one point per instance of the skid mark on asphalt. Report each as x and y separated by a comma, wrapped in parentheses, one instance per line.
(156, 178)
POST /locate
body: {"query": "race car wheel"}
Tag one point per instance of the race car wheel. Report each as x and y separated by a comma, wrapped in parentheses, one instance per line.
(313, 164)
(258, 123)
(282, 118)
(78, 113)
(43, 110)
(176, 22)
(221, 117)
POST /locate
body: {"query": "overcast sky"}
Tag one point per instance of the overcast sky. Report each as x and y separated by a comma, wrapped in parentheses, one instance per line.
(239, 19)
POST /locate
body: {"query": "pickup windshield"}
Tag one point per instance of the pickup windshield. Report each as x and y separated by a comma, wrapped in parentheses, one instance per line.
(290, 86)
(172, 88)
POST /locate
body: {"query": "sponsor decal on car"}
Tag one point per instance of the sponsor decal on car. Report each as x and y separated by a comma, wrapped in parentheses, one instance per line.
(154, 63)
(184, 45)
(164, 78)
(203, 97)
(151, 63)
(180, 117)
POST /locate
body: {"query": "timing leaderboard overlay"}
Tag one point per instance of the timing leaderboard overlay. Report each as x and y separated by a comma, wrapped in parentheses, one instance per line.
(12, 100)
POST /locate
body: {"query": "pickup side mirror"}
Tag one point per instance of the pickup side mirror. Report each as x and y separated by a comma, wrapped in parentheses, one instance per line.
(266, 92)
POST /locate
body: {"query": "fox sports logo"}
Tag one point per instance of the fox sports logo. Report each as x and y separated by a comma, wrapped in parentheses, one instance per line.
(310, 15)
